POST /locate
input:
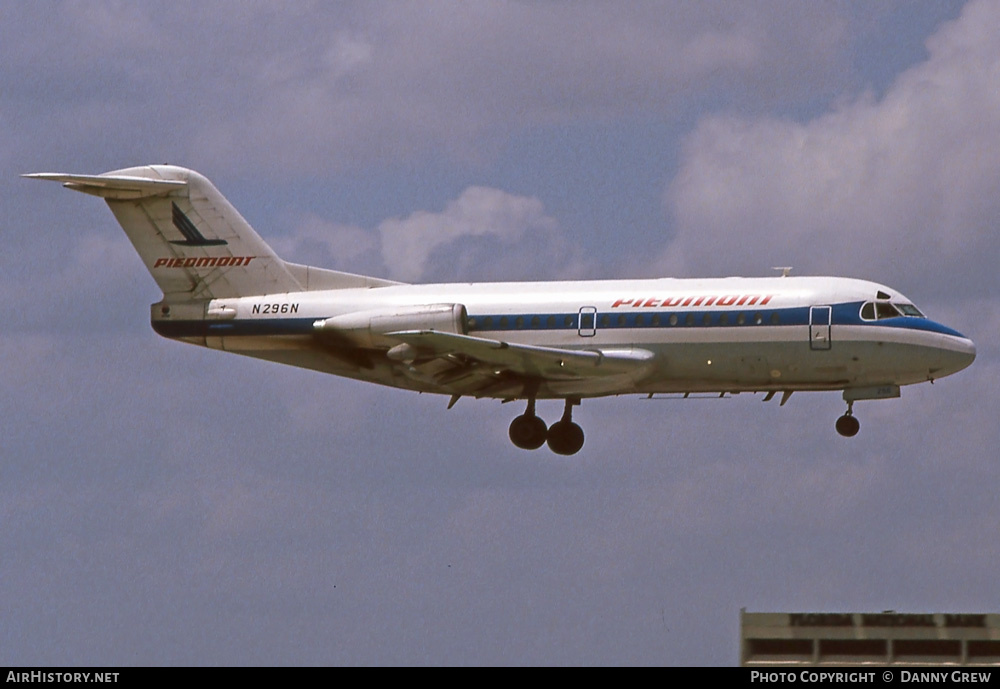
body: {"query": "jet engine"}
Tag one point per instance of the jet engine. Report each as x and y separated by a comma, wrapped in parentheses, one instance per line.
(367, 329)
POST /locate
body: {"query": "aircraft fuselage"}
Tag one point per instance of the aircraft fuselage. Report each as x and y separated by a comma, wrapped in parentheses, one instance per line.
(705, 335)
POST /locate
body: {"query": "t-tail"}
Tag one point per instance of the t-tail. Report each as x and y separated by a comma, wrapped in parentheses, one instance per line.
(194, 243)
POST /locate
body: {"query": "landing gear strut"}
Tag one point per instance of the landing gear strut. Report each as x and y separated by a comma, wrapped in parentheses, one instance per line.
(527, 431)
(565, 437)
(847, 425)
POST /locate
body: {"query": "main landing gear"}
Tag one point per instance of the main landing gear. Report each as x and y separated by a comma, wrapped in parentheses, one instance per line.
(847, 425)
(529, 432)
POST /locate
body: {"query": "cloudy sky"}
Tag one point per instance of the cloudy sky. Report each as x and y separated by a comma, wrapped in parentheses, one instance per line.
(164, 504)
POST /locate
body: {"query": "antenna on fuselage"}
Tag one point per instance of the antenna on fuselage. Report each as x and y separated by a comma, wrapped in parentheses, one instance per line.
(785, 270)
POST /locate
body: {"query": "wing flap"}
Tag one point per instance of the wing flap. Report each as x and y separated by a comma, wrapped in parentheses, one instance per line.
(546, 363)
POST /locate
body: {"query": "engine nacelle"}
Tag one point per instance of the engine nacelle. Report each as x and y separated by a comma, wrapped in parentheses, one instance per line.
(367, 328)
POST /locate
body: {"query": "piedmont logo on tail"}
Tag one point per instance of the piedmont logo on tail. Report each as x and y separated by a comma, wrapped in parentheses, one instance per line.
(223, 287)
(192, 237)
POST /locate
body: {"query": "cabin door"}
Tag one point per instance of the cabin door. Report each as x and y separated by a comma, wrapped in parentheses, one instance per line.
(819, 326)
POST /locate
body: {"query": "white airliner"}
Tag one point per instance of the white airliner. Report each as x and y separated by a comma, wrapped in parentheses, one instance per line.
(224, 288)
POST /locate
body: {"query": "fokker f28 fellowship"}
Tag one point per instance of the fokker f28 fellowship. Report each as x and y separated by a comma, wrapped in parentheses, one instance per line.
(224, 288)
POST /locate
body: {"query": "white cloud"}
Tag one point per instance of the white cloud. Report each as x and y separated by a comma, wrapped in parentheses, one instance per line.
(348, 55)
(319, 242)
(901, 189)
(410, 243)
(484, 234)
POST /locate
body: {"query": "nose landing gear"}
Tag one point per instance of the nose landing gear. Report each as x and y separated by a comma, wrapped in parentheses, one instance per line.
(847, 425)
(529, 432)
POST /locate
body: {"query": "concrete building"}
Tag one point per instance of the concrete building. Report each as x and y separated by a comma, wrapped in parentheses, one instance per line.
(771, 639)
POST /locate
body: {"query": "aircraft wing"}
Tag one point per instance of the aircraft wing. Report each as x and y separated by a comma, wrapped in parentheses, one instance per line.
(478, 356)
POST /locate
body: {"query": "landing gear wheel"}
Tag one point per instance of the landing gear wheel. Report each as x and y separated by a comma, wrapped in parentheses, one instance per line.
(565, 438)
(848, 426)
(528, 432)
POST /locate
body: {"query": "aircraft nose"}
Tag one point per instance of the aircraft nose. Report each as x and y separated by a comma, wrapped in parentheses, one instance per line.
(960, 353)
(967, 354)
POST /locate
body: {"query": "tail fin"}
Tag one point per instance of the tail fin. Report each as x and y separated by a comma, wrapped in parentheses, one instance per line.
(192, 240)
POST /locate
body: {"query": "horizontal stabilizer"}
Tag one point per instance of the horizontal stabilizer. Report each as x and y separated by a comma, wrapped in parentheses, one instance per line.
(113, 186)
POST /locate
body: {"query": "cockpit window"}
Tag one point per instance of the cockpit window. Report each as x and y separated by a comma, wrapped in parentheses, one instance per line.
(877, 311)
(910, 310)
(885, 310)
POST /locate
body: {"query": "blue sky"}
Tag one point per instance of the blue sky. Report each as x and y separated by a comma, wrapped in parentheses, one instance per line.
(163, 504)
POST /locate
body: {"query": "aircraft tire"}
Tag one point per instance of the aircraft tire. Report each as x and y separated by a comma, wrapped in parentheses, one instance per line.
(848, 426)
(528, 432)
(565, 438)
